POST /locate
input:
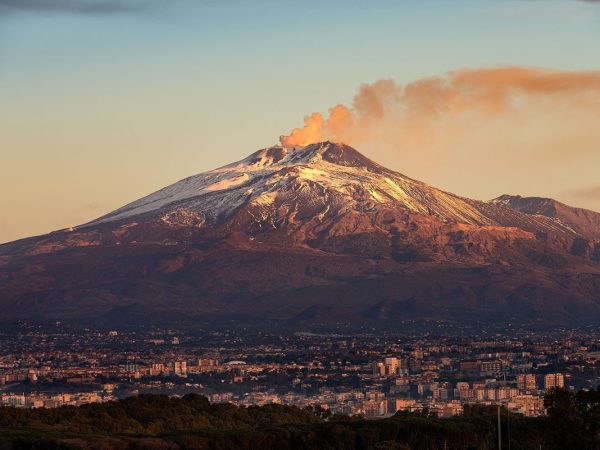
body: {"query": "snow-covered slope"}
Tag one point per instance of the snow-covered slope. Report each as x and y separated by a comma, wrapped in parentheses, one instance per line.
(334, 176)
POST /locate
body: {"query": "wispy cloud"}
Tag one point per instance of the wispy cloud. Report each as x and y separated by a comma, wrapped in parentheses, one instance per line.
(587, 197)
(589, 193)
(93, 7)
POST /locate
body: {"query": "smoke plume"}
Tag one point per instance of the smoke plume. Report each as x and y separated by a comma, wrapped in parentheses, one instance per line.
(478, 133)
(426, 110)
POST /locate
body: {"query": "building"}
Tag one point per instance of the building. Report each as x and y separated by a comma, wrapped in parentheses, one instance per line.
(490, 367)
(157, 369)
(375, 408)
(554, 380)
(208, 362)
(399, 404)
(527, 405)
(469, 367)
(450, 409)
(389, 367)
(180, 368)
(526, 382)
(378, 369)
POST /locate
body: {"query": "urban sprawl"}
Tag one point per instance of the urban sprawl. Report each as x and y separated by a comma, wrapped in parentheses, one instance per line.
(367, 374)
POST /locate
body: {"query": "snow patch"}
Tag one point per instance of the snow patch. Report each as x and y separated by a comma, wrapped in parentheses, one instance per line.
(227, 183)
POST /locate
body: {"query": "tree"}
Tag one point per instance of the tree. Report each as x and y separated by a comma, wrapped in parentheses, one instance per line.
(567, 422)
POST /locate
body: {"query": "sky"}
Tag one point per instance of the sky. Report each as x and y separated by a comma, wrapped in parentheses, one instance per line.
(105, 101)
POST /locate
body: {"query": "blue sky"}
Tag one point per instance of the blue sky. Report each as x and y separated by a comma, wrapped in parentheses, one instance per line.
(104, 101)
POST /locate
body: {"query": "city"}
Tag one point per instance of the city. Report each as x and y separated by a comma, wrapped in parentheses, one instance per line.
(364, 374)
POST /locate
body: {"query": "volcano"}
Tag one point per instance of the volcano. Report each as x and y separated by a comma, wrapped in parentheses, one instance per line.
(318, 236)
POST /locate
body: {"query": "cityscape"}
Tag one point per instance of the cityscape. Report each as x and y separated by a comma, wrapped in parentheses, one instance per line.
(370, 375)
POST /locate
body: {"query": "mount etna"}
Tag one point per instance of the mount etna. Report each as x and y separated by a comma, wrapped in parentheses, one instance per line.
(318, 236)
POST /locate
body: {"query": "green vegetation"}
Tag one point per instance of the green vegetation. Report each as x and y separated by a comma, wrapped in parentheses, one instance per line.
(158, 422)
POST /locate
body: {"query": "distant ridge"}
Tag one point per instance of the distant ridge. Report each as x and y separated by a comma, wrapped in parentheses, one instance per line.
(583, 222)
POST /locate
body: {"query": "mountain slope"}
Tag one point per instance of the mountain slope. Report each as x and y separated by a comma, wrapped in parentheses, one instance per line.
(322, 176)
(582, 222)
(311, 234)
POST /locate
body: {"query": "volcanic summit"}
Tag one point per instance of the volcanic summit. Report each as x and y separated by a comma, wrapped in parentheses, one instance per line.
(289, 231)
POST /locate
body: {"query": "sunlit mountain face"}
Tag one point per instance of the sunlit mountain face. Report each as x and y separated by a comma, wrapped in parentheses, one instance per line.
(314, 236)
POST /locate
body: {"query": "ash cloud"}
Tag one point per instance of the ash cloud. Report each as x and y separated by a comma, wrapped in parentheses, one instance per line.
(419, 110)
(478, 133)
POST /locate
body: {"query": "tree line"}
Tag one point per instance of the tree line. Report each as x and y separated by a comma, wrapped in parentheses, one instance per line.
(156, 422)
